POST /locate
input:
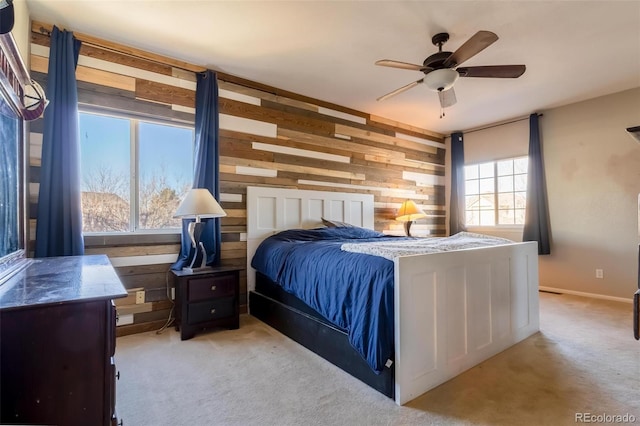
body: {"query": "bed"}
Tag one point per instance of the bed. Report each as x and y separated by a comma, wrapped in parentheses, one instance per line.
(451, 310)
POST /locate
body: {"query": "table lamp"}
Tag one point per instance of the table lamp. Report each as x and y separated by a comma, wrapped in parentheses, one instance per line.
(407, 213)
(198, 204)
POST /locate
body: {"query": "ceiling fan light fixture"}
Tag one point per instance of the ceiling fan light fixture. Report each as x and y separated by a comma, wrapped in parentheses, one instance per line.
(442, 79)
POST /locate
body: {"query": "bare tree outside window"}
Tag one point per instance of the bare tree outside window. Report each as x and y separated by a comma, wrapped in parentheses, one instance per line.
(159, 201)
(105, 201)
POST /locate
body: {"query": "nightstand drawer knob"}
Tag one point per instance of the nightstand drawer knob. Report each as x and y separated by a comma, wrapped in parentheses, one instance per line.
(213, 288)
(213, 311)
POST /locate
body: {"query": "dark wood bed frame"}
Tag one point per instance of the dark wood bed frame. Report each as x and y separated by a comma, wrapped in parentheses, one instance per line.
(295, 319)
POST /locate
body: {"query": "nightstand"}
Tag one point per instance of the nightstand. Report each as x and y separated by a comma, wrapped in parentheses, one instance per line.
(207, 298)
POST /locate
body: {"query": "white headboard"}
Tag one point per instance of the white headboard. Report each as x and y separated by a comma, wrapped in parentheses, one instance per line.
(271, 210)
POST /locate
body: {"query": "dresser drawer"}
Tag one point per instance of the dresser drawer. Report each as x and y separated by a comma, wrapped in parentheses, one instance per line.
(111, 391)
(220, 285)
(211, 310)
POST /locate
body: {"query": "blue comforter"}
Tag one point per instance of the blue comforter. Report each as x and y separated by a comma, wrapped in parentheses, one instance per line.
(353, 291)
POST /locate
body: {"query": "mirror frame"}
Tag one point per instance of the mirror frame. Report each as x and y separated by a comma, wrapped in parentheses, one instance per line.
(13, 77)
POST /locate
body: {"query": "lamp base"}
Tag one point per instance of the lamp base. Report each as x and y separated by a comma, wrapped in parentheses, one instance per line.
(407, 227)
(194, 270)
(199, 260)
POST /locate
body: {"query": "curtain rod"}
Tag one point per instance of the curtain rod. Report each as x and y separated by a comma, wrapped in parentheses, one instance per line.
(45, 29)
(498, 124)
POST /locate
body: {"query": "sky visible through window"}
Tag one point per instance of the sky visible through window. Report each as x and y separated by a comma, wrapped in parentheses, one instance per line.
(104, 144)
(162, 150)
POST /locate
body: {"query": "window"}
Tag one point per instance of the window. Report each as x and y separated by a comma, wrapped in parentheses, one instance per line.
(496, 192)
(134, 173)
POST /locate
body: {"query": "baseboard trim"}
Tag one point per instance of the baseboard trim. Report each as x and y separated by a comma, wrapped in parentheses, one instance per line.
(583, 294)
(125, 330)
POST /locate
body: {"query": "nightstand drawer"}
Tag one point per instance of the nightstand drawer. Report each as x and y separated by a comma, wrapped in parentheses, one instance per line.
(211, 310)
(208, 288)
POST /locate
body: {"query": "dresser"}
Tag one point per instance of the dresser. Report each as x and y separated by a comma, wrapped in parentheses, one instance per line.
(57, 342)
(207, 298)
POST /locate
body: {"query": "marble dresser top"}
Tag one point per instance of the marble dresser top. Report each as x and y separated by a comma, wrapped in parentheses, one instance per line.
(66, 279)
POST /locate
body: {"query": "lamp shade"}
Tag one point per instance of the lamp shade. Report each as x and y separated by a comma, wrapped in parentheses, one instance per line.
(409, 211)
(199, 203)
(440, 80)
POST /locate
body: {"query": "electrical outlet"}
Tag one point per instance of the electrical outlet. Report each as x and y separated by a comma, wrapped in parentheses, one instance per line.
(139, 297)
(599, 273)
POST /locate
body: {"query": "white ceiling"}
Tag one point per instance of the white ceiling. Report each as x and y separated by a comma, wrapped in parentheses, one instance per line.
(573, 50)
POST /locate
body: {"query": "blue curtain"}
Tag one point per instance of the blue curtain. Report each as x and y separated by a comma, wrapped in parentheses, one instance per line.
(206, 166)
(59, 225)
(456, 211)
(536, 226)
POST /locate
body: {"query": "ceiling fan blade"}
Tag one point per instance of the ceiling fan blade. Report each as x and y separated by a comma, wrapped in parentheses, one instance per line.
(400, 90)
(493, 71)
(447, 98)
(476, 44)
(403, 65)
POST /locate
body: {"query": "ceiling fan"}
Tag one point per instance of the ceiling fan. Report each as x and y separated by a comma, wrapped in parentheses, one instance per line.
(441, 70)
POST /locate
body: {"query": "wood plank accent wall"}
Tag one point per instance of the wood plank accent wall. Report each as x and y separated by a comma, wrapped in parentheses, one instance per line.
(268, 137)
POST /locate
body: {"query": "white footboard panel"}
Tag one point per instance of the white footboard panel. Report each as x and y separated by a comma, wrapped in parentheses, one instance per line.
(454, 310)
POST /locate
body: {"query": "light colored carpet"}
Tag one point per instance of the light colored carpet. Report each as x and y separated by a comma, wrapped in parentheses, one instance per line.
(584, 360)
